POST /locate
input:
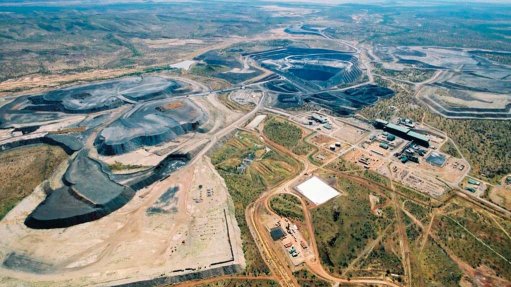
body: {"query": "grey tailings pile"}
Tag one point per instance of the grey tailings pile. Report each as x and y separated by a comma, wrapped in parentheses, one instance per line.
(349, 101)
(166, 203)
(15, 261)
(54, 105)
(470, 86)
(150, 124)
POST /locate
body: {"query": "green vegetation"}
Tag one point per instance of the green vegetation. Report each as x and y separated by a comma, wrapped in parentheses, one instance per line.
(505, 224)
(116, 40)
(412, 194)
(52, 39)
(501, 58)
(308, 279)
(450, 149)
(475, 238)
(287, 205)
(407, 74)
(383, 260)
(206, 70)
(313, 149)
(286, 134)
(24, 168)
(412, 231)
(420, 212)
(224, 99)
(484, 143)
(118, 166)
(266, 170)
(343, 165)
(302, 148)
(312, 160)
(345, 225)
(376, 177)
(241, 283)
(437, 268)
(282, 132)
(450, 25)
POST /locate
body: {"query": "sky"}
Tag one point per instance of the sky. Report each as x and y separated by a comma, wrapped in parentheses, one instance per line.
(331, 2)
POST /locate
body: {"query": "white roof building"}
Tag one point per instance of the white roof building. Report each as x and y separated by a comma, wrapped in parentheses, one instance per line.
(316, 190)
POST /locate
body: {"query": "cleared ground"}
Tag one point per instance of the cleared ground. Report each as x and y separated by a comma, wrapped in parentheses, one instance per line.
(500, 195)
(166, 230)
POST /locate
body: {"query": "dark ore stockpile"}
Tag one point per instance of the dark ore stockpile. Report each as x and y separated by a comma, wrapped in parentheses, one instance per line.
(87, 194)
(349, 101)
(150, 124)
(84, 99)
(339, 102)
(91, 191)
(69, 143)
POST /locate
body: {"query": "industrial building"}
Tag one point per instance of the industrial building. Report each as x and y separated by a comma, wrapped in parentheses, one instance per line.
(402, 132)
(319, 118)
(473, 181)
(316, 190)
(407, 122)
(419, 138)
(380, 124)
(277, 233)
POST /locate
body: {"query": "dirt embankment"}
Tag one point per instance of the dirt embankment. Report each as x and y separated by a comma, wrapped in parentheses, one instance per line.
(22, 169)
